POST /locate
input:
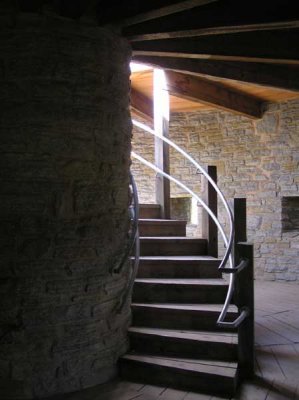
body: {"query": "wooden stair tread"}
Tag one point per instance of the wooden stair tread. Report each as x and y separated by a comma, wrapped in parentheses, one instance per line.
(179, 281)
(149, 205)
(161, 221)
(187, 307)
(179, 266)
(223, 337)
(172, 239)
(179, 258)
(223, 368)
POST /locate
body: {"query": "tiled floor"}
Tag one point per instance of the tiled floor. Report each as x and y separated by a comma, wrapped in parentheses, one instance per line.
(277, 356)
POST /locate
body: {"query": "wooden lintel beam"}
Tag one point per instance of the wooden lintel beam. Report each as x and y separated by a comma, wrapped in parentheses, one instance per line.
(210, 93)
(142, 105)
(164, 11)
(276, 76)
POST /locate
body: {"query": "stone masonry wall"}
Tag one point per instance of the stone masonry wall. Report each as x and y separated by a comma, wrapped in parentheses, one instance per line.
(255, 159)
(65, 145)
(144, 144)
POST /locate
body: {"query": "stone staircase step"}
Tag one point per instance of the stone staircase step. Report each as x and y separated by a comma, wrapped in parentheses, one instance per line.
(180, 290)
(214, 377)
(162, 227)
(180, 316)
(179, 267)
(149, 211)
(180, 343)
(172, 246)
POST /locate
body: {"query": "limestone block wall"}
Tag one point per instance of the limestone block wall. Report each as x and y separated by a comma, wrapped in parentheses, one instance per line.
(256, 159)
(65, 146)
(144, 144)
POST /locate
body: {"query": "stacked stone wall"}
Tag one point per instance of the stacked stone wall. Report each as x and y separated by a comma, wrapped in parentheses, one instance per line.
(144, 144)
(256, 159)
(65, 154)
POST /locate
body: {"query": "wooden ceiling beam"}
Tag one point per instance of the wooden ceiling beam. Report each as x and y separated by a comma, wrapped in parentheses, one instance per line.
(142, 105)
(276, 76)
(213, 94)
(177, 6)
(247, 46)
(215, 57)
(217, 30)
(74, 9)
(135, 11)
(224, 16)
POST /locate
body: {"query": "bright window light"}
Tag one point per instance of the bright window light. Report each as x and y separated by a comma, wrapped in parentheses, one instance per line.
(161, 100)
(135, 67)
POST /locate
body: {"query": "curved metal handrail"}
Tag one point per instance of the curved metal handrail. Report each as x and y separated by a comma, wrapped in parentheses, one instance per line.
(183, 186)
(134, 239)
(227, 242)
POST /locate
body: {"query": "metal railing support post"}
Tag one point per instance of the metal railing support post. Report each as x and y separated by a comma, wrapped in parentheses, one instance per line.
(244, 291)
(209, 229)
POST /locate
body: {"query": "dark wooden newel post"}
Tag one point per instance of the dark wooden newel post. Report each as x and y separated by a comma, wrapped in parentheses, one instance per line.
(209, 228)
(244, 293)
(161, 122)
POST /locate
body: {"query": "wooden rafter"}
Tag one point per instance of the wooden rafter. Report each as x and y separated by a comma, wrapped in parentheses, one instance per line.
(213, 94)
(219, 17)
(141, 104)
(216, 57)
(136, 11)
(246, 46)
(177, 6)
(277, 76)
(217, 30)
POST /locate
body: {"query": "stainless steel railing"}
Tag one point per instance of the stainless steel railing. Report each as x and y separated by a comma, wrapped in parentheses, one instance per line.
(228, 241)
(133, 240)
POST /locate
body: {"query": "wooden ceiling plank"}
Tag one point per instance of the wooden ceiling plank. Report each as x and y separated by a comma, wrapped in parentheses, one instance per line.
(164, 11)
(197, 89)
(276, 76)
(142, 104)
(217, 30)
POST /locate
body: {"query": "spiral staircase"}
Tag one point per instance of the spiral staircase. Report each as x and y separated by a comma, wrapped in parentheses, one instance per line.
(177, 297)
(191, 328)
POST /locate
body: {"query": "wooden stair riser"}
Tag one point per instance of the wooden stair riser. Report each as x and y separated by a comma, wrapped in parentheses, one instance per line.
(172, 247)
(177, 318)
(176, 347)
(162, 228)
(180, 379)
(178, 293)
(179, 269)
(149, 211)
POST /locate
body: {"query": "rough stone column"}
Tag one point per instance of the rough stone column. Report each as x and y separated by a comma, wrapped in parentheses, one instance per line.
(65, 143)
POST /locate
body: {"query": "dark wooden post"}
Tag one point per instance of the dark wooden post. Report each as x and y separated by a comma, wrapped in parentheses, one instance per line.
(161, 123)
(244, 292)
(240, 224)
(209, 228)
